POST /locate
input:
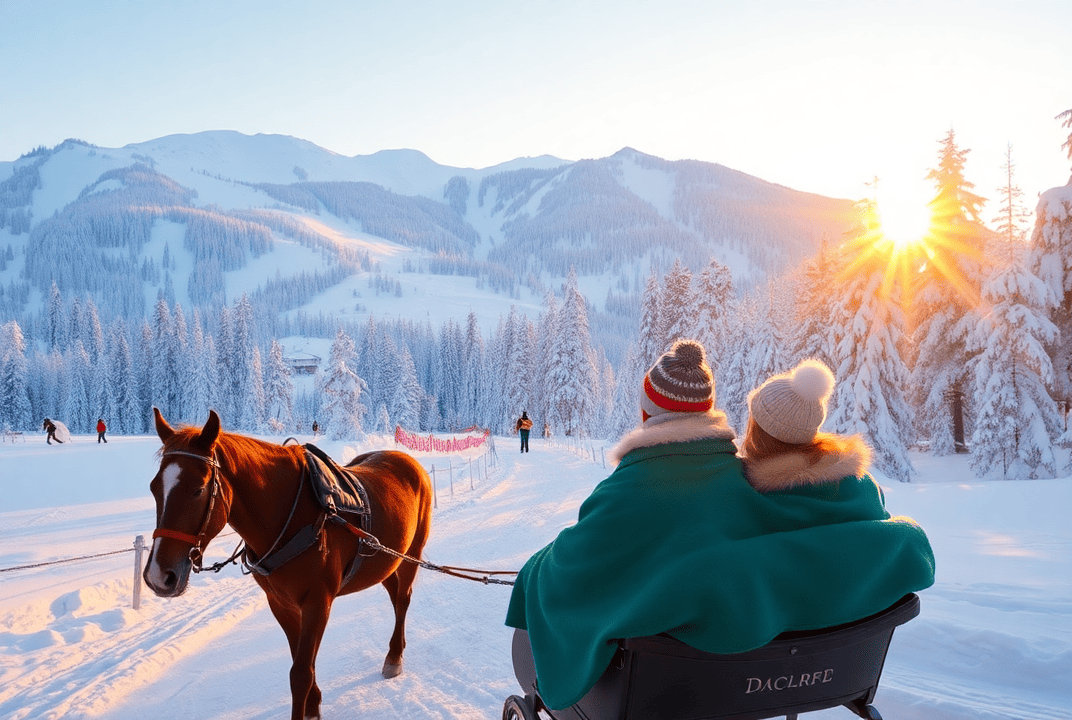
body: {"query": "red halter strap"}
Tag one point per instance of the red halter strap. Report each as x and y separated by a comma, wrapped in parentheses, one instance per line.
(174, 535)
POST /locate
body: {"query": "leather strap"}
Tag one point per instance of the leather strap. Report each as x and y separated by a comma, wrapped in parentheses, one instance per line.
(175, 535)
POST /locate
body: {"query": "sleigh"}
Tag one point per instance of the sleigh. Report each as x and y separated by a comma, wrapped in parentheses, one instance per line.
(660, 678)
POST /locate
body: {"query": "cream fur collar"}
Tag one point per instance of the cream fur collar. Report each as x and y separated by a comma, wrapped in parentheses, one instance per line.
(671, 428)
(849, 456)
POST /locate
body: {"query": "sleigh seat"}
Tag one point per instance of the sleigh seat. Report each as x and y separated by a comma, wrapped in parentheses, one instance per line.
(660, 678)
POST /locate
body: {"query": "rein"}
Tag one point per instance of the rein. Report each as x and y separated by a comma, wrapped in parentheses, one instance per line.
(483, 576)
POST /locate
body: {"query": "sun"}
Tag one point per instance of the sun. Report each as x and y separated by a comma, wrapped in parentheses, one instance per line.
(905, 221)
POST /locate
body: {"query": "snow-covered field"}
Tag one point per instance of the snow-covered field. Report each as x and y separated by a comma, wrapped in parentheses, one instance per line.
(994, 639)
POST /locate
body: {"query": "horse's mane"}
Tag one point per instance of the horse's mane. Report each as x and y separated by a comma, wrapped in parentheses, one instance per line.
(227, 442)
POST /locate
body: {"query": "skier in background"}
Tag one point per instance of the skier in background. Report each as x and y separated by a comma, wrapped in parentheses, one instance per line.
(101, 429)
(50, 427)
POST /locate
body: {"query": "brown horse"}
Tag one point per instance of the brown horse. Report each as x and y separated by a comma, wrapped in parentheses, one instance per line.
(208, 478)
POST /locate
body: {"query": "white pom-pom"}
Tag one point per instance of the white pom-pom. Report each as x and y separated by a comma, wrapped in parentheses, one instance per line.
(812, 380)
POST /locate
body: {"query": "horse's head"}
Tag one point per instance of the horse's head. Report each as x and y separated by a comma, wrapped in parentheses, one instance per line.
(191, 508)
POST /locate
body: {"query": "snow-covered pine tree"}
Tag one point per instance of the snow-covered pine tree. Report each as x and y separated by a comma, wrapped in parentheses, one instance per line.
(368, 360)
(450, 373)
(604, 397)
(383, 421)
(278, 390)
(246, 387)
(127, 405)
(201, 382)
(342, 390)
(571, 379)
(1013, 219)
(945, 299)
(92, 334)
(735, 377)
(653, 330)
(754, 351)
(812, 335)
(625, 410)
(675, 305)
(255, 408)
(407, 397)
(79, 378)
(179, 352)
(518, 371)
(473, 372)
(103, 398)
(162, 393)
(712, 303)
(497, 379)
(870, 395)
(225, 396)
(56, 319)
(547, 329)
(1017, 418)
(143, 368)
(1051, 262)
(14, 399)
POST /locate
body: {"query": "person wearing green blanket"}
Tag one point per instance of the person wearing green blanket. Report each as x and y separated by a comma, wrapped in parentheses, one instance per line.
(677, 539)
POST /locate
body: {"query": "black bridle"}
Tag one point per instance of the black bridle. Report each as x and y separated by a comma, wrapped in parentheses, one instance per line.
(197, 551)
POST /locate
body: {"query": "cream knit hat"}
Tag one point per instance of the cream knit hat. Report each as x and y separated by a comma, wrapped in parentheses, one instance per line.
(792, 407)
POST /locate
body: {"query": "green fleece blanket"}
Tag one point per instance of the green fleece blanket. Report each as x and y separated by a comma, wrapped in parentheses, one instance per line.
(676, 541)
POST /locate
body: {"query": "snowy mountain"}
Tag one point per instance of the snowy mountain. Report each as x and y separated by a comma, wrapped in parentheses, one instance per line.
(205, 218)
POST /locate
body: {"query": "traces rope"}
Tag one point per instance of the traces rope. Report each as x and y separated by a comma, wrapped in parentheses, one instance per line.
(483, 576)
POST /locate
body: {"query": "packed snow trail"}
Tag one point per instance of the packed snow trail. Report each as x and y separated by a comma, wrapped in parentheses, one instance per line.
(994, 639)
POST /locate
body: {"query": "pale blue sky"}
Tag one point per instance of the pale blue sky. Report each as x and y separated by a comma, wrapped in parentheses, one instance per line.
(819, 96)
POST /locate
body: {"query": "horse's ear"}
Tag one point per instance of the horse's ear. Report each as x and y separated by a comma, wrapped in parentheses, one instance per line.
(210, 432)
(162, 428)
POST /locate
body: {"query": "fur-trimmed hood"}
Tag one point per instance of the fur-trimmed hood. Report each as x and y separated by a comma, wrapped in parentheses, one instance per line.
(672, 428)
(845, 456)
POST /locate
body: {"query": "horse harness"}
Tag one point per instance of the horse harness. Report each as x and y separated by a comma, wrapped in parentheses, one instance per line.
(341, 496)
(339, 493)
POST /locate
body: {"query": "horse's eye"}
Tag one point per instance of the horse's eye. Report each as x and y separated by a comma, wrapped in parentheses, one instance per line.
(199, 492)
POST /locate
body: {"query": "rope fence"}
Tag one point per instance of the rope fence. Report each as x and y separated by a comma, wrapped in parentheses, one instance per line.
(138, 549)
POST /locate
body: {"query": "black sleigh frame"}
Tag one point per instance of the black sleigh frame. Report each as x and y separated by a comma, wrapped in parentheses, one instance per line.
(659, 678)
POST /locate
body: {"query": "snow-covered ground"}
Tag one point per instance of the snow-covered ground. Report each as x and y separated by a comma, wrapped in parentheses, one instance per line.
(994, 639)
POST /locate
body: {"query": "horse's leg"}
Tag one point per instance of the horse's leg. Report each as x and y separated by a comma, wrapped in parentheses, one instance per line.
(289, 618)
(303, 687)
(400, 587)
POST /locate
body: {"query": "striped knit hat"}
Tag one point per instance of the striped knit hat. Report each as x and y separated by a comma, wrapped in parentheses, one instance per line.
(679, 382)
(791, 407)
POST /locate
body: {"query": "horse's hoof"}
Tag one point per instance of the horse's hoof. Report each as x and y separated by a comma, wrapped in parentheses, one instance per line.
(391, 670)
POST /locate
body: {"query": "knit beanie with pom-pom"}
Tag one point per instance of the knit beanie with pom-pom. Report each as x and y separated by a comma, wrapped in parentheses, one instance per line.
(792, 407)
(680, 382)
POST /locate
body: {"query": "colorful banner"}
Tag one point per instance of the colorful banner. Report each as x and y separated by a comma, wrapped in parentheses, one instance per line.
(431, 443)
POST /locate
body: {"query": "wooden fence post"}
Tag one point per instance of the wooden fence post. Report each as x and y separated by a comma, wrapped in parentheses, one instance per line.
(435, 494)
(139, 546)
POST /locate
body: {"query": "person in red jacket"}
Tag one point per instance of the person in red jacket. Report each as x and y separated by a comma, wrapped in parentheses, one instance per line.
(101, 428)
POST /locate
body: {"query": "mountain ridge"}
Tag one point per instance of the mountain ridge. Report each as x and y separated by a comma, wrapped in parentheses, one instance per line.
(204, 217)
